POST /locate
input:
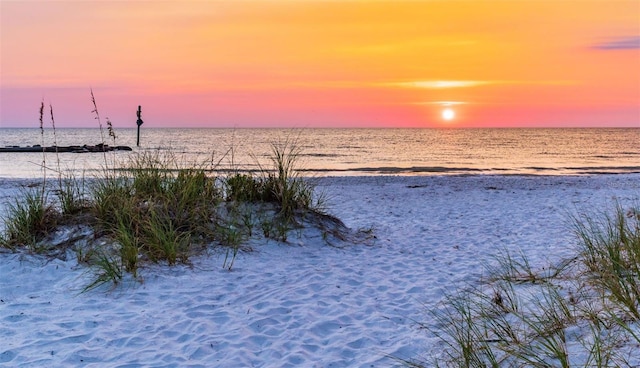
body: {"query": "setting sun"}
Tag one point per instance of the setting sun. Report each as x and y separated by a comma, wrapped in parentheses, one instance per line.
(448, 114)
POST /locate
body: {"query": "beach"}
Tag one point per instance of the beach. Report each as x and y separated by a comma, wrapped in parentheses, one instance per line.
(305, 303)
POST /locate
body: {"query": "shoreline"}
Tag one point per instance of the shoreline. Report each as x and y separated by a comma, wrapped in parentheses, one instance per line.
(303, 303)
(390, 173)
(405, 171)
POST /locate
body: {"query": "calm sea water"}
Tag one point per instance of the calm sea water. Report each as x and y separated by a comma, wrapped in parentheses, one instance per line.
(349, 151)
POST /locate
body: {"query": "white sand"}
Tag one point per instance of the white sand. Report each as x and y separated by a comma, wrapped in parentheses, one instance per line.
(304, 304)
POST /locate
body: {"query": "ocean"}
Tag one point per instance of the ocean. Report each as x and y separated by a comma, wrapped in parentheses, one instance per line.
(343, 152)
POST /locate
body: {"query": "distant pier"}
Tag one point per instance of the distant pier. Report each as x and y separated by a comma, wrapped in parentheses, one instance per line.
(63, 149)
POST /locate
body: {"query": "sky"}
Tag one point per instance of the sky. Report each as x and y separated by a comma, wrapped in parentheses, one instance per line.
(312, 63)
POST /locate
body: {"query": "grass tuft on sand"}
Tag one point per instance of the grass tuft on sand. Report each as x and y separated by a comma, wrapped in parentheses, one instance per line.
(582, 312)
(156, 208)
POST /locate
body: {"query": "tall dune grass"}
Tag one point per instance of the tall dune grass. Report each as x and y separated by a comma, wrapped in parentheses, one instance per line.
(610, 254)
(29, 219)
(582, 312)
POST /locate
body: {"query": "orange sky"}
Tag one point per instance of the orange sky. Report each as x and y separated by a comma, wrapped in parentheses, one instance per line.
(308, 63)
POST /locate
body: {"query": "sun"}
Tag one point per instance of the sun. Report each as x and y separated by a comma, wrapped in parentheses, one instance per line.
(448, 114)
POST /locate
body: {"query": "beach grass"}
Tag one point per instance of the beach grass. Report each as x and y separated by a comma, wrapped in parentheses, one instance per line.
(71, 194)
(290, 191)
(108, 270)
(578, 313)
(155, 207)
(610, 253)
(30, 218)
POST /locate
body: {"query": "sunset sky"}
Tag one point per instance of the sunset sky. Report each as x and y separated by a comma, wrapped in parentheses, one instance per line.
(311, 63)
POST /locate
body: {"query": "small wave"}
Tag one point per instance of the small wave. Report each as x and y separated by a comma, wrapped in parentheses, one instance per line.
(350, 147)
(595, 170)
(538, 168)
(402, 170)
(443, 170)
(320, 155)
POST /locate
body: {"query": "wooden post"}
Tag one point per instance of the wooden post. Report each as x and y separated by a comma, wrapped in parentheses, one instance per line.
(139, 122)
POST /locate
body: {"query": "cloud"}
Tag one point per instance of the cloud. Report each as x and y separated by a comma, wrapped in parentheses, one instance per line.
(622, 43)
(442, 103)
(438, 84)
(443, 84)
